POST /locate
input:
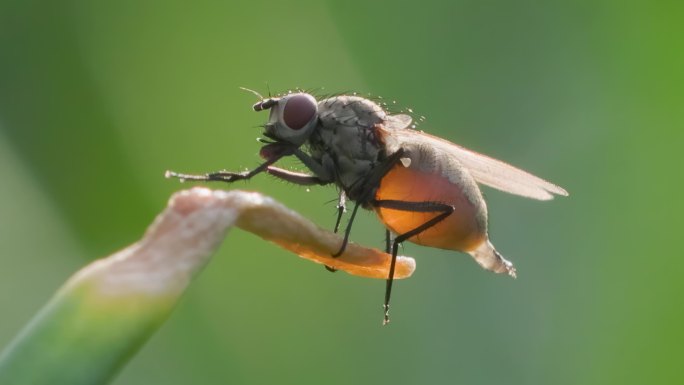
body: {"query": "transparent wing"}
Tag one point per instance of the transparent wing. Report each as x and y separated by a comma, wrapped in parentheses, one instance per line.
(484, 169)
(502, 176)
(398, 122)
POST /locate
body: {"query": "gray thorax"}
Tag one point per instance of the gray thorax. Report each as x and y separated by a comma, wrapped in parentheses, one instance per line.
(346, 144)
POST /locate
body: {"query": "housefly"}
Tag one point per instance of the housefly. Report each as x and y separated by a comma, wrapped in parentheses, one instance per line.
(424, 189)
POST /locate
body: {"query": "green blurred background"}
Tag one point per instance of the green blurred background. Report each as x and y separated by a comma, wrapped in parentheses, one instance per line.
(98, 99)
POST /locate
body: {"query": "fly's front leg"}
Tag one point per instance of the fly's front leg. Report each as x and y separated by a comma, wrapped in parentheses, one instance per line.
(220, 176)
(443, 210)
(295, 177)
(271, 152)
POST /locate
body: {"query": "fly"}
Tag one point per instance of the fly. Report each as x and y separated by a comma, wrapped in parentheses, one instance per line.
(424, 189)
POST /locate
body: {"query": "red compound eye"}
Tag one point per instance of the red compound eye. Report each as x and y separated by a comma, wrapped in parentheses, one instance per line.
(299, 110)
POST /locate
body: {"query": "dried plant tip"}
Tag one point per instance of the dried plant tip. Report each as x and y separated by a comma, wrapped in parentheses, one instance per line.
(272, 221)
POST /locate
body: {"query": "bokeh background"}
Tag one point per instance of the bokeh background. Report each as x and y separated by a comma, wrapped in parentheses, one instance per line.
(99, 98)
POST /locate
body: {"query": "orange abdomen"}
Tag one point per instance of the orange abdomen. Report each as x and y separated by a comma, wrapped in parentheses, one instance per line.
(463, 230)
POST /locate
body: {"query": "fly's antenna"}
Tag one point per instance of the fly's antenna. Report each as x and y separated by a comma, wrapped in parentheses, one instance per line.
(258, 95)
(268, 88)
(262, 104)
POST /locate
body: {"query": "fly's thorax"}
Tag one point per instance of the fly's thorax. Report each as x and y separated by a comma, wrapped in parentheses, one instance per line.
(351, 152)
(346, 137)
(350, 110)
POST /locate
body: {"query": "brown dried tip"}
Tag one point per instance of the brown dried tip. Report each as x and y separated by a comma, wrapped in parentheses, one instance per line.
(272, 221)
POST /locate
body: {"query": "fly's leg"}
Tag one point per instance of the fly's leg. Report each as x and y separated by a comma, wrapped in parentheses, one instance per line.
(305, 180)
(223, 176)
(341, 209)
(272, 152)
(229, 177)
(295, 177)
(363, 188)
(347, 231)
(443, 211)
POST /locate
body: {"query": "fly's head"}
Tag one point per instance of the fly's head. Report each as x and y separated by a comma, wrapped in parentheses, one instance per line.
(293, 117)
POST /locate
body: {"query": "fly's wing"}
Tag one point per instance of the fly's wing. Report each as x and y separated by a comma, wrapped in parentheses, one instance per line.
(502, 176)
(485, 170)
(397, 122)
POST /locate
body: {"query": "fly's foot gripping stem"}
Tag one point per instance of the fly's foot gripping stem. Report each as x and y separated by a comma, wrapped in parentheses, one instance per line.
(347, 231)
